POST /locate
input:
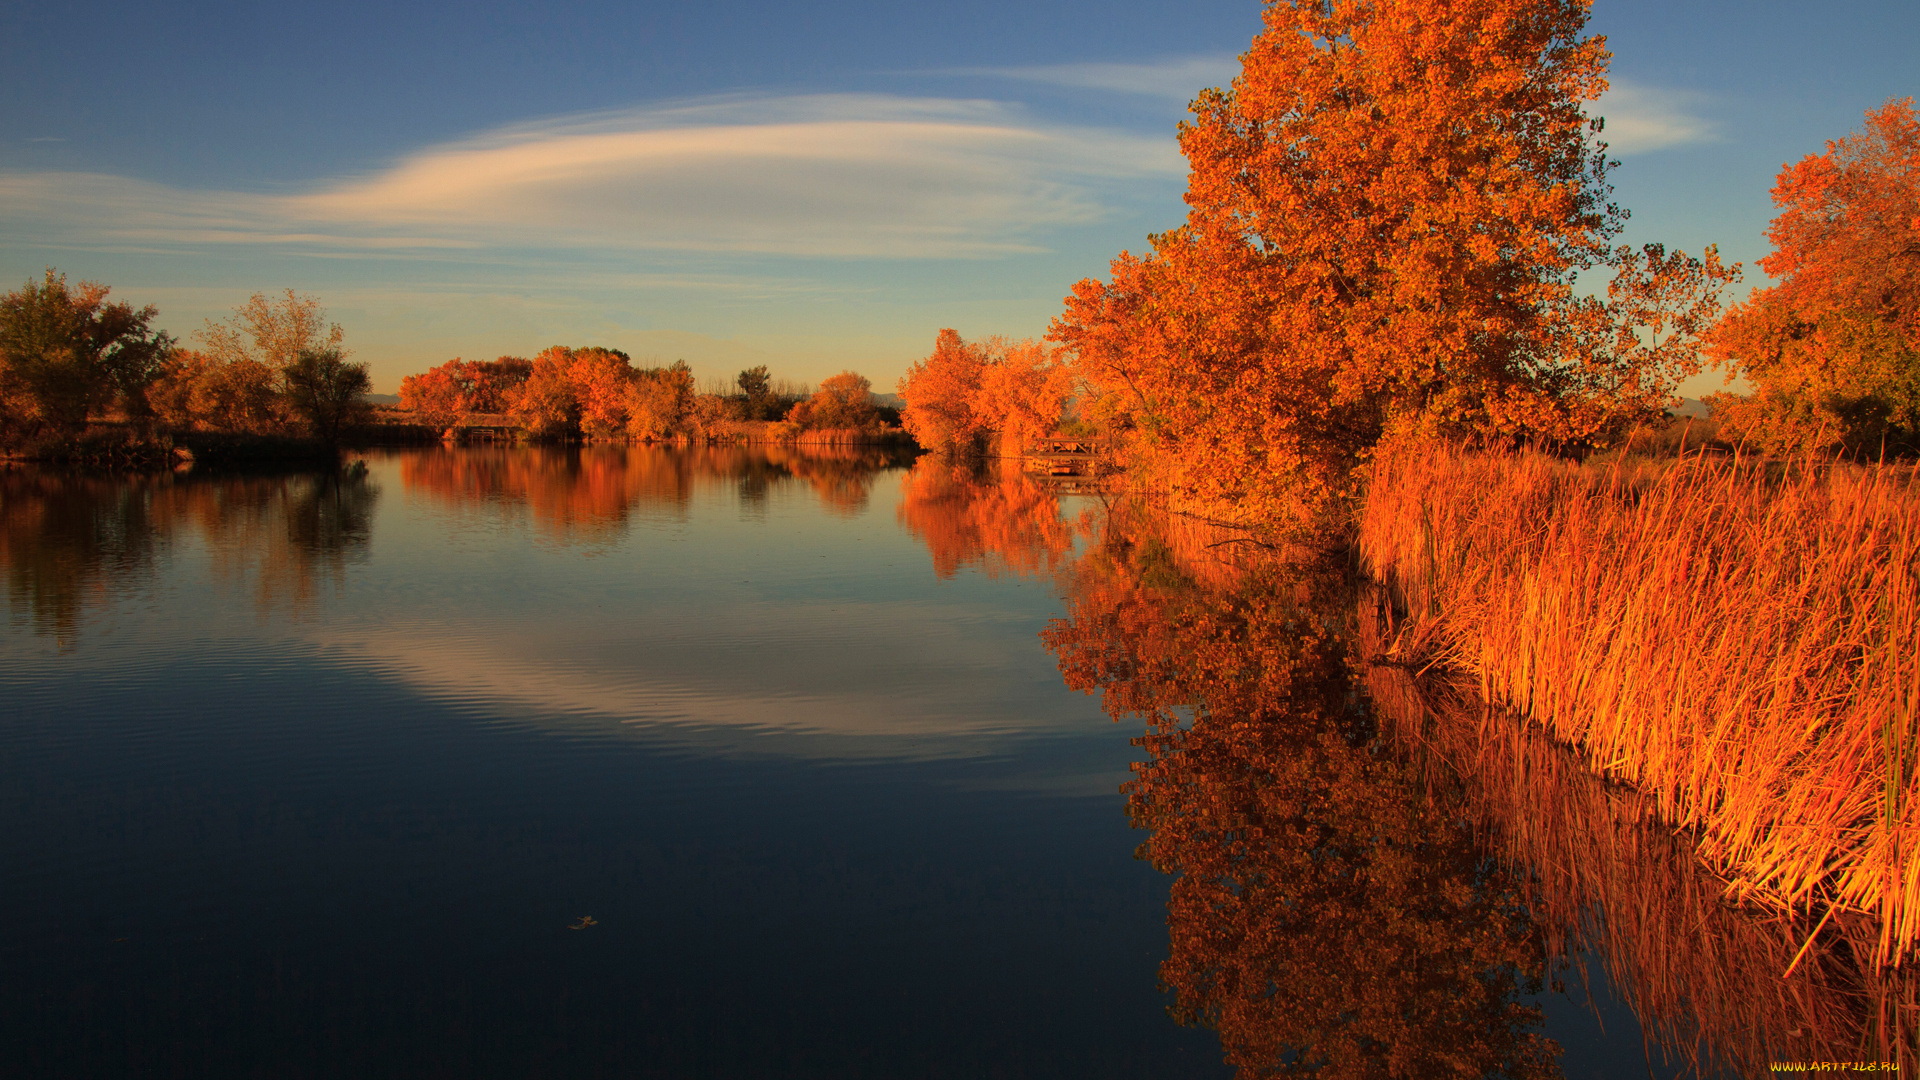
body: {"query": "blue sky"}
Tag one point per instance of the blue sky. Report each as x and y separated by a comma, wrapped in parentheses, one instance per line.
(811, 186)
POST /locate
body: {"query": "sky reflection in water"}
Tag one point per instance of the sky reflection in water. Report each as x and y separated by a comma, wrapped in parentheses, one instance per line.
(312, 776)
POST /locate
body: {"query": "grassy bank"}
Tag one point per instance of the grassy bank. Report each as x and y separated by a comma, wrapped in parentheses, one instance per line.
(1735, 639)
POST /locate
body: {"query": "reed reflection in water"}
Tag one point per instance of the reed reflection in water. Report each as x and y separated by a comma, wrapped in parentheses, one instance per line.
(1375, 874)
(1744, 985)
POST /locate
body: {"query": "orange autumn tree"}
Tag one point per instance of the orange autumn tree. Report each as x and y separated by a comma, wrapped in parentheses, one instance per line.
(940, 392)
(1389, 210)
(968, 395)
(590, 391)
(1024, 392)
(1833, 350)
(659, 401)
(445, 395)
(844, 402)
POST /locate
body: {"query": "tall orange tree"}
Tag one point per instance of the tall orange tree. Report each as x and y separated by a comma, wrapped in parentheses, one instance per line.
(942, 394)
(1389, 210)
(968, 396)
(1833, 350)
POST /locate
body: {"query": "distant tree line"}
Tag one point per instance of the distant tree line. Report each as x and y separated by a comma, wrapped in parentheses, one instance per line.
(597, 393)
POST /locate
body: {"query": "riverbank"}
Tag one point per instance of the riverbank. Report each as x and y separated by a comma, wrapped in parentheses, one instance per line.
(1736, 639)
(118, 449)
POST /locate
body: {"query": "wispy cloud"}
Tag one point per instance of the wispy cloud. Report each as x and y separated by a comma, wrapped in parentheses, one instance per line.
(1645, 118)
(1179, 78)
(833, 175)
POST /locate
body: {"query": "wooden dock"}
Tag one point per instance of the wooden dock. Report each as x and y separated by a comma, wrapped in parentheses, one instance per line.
(1068, 457)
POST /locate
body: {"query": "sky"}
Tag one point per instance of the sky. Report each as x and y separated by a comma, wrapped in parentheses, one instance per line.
(812, 186)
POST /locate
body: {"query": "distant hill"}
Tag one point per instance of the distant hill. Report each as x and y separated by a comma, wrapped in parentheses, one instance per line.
(381, 399)
(1690, 407)
(889, 401)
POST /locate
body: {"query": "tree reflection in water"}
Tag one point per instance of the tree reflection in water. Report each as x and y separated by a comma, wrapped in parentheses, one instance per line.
(991, 515)
(1371, 869)
(591, 493)
(68, 543)
(1332, 912)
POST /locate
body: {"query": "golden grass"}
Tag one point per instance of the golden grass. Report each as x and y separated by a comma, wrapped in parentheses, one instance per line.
(1736, 639)
(1702, 974)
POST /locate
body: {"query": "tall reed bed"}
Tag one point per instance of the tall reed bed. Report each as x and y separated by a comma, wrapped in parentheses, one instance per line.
(1739, 640)
(1608, 879)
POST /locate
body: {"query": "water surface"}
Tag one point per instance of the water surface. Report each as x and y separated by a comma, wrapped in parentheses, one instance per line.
(316, 776)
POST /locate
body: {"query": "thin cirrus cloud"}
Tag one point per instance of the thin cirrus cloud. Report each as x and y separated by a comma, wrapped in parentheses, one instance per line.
(822, 175)
(1641, 119)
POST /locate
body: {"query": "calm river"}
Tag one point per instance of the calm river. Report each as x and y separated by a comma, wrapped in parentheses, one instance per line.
(677, 763)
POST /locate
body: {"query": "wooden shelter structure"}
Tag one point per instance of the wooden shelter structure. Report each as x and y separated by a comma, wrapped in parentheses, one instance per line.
(1065, 455)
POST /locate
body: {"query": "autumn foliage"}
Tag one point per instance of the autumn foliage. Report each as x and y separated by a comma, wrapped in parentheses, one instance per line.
(67, 354)
(844, 402)
(1833, 350)
(444, 396)
(562, 392)
(1390, 206)
(274, 366)
(973, 397)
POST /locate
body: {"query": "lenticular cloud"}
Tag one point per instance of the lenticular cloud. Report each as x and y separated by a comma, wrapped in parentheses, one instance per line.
(858, 176)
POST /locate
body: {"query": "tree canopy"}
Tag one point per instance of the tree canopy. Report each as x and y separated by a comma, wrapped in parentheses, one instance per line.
(1390, 210)
(66, 354)
(326, 390)
(843, 402)
(1833, 349)
(965, 394)
(444, 395)
(271, 331)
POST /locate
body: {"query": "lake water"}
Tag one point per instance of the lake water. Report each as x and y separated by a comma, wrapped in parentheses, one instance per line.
(626, 762)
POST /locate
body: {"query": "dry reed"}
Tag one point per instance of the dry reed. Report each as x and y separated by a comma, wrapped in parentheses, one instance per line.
(1702, 974)
(1736, 639)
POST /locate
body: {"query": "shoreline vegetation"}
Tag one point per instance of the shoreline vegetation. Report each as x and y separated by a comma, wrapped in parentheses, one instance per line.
(1734, 637)
(1371, 335)
(85, 381)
